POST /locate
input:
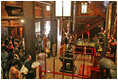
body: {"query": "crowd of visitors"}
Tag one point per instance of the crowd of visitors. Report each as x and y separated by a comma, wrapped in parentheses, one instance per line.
(13, 56)
(106, 43)
(68, 40)
(102, 40)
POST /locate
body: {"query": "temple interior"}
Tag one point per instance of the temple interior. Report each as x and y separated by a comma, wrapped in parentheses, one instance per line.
(59, 39)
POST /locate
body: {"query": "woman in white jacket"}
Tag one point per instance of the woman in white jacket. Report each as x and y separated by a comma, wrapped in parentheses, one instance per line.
(42, 59)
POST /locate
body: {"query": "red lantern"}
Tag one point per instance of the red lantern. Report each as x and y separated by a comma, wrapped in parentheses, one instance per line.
(87, 32)
(88, 25)
(21, 31)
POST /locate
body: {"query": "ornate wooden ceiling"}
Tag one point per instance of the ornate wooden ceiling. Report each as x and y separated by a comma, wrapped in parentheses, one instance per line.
(95, 8)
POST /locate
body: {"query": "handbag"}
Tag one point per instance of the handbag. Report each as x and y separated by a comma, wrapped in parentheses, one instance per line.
(24, 70)
(47, 50)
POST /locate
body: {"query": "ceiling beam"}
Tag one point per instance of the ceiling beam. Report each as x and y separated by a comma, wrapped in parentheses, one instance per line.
(16, 18)
(98, 22)
(97, 10)
(12, 3)
(86, 16)
(93, 20)
(11, 18)
(46, 3)
(19, 4)
(81, 23)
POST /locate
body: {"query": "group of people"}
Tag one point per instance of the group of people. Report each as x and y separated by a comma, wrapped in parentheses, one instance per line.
(43, 43)
(13, 52)
(13, 56)
(103, 40)
(105, 43)
(68, 40)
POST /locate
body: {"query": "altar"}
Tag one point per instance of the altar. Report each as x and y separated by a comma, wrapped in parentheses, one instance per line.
(90, 48)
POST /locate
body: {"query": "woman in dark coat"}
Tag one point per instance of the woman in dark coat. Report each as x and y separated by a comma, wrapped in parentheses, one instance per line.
(31, 72)
(4, 58)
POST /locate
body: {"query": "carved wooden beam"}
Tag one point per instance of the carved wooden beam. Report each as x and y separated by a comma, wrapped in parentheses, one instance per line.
(95, 24)
(97, 10)
(17, 18)
(86, 16)
(12, 3)
(11, 18)
(20, 4)
(44, 2)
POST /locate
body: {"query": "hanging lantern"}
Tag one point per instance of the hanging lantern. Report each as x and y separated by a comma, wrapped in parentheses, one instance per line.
(88, 25)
